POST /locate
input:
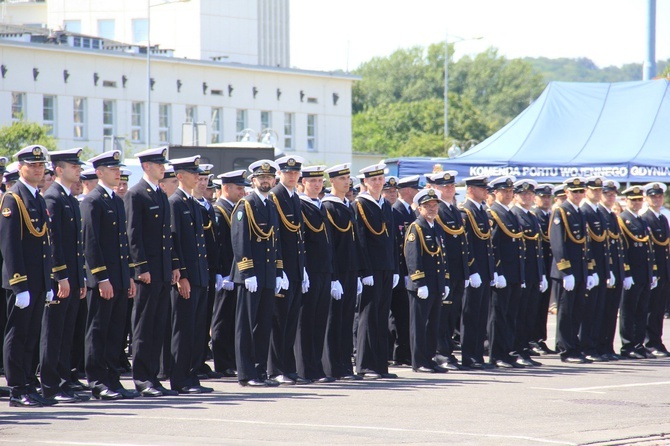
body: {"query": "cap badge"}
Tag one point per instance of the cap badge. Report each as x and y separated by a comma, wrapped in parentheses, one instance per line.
(656, 186)
(575, 181)
(431, 193)
(265, 167)
(599, 182)
(509, 182)
(525, 185)
(116, 156)
(447, 176)
(636, 190)
(164, 153)
(291, 162)
(197, 161)
(37, 151)
(392, 182)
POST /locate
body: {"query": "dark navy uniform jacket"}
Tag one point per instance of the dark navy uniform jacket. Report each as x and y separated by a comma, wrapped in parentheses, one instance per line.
(256, 241)
(596, 226)
(188, 238)
(568, 243)
(449, 218)
(480, 244)
(292, 232)
(222, 212)
(149, 232)
(507, 237)
(617, 252)
(426, 260)
(319, 250)
(401, 219)
(660, 240)
(532, 239)
(105, 239)
(212, 243)
(27, 255)
(66, 236)
(544, 220)
(346, 250)
(379, 250)
(638, 247)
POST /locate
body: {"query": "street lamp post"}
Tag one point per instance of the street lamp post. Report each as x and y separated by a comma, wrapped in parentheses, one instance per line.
(446, 78)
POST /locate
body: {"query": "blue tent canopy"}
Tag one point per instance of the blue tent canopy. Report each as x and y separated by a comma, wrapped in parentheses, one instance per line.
(618, 130)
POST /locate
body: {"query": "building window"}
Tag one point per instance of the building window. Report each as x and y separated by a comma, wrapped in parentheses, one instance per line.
(311, 133)
(79, 118)
(136, 122)
(288, 131)
(18, 106)
(241, 123)
(216, 125)
(140, 30)
(73, 26)
(49, 114)
(106, 29)
(191, 113)
(164, 123)
(266, 120)
(108, 117)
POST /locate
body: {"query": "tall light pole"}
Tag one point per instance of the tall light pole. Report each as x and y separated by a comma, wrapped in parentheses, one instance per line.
(446, 78)
(149, 6)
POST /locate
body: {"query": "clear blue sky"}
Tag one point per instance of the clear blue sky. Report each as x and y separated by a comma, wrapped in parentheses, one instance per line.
(329, 35)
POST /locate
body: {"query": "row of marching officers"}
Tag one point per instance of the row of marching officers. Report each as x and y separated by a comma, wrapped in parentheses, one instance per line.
(295, 284)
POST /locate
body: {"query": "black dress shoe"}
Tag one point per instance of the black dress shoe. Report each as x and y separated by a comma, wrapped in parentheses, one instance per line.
(229, 373)
(75, 386)
(284, 380)
(212, 374)
(166, 392)
(204, 389)
(40, 399)
(253, 383)
(63, 397)
(23, 401)
(502, 364)
(389, 375)
(5, 392)
(106, 394)
(574, 360)
(451, 366)
(660, 353)
(595, 358)
(189, 390)
(423, 369)
(350, 377)
(370, 375)
(127, 394)
(474, 365)
(633, 355)
(524, 362)
(299, 379)
(612, 357)
(440, 368)
(325, 380)
(151, 392)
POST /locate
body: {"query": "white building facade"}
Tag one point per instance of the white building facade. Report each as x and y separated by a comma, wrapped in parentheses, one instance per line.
(87, 94)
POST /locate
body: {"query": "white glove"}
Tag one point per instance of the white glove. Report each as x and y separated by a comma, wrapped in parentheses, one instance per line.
(569, 282)
(467, 283)
(596, 279)
(495, 279)
(284, 281)
(447, 290)
(544, 284)
(227, 284)
(611, 281)
(219, 282)
(278, 284)
(654, 282)
(590, 282)
(368, 281)
(422, 292)
(50, 296)
(627, 283)
(501, 282)
(251, 284)
(523, 285)
(336, 289)
(406, 282)
(396, 279)
(359, 286)
(305, 281)
(22, 299)
(475, 280)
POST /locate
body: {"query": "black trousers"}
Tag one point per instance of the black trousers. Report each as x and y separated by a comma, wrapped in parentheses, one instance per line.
(312, 323)
(104, 337)
(633, 318)
(450, 317)
(339, 343)
(610, 314)
(188, 315)
(474, 322)
(526, 319)
(22, 334)
(3, 321)
(657, 302)
(58, 325)
(373, 313)
(281, 358)
(149, 318)
(79, 341)
(253, 324)
(206, 326)
(223, 329)
(398, 323)
(570, 309)
(424, 317)
(539, 330)
(594, 308)
(503, 310)
(165, 361)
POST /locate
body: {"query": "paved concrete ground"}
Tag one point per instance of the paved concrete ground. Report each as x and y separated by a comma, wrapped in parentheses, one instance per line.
(625, 402)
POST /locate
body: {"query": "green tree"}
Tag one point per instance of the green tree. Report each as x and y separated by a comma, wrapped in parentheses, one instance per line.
(22, 133)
